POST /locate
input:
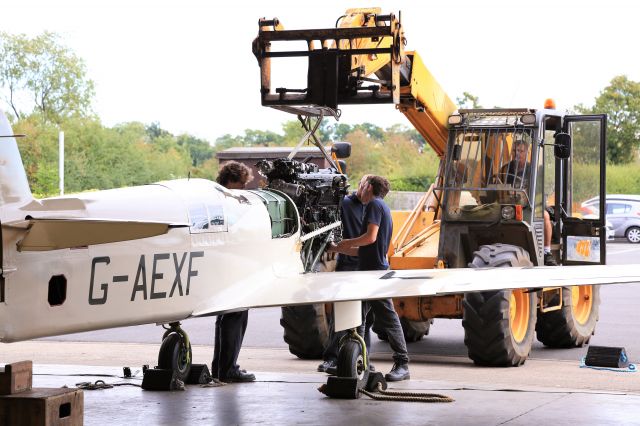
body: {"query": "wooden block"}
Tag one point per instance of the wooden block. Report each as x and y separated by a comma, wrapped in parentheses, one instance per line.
(43, 407)
(17, 377)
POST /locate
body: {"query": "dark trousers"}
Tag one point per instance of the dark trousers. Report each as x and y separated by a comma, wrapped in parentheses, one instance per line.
(333, 343)
(230, 329)
(386, 319)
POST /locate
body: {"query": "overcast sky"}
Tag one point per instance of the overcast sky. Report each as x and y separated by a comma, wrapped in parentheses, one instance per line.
(188, 64)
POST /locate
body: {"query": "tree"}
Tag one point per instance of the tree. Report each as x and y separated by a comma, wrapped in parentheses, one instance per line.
(467, 100)
(47, 73)
(200, 150)
(621, 102)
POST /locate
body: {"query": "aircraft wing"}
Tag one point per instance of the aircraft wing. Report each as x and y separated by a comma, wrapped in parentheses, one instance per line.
(54, 234)
(367, 285)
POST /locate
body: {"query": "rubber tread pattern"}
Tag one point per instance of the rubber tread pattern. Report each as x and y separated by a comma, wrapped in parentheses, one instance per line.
(306, 330)
(486, 315)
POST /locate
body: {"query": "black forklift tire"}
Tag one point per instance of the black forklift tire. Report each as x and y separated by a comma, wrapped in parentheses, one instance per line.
(563, 328)
(173, 356)
(413, 331)
(486, 319)
(306, 330)
(351, 362)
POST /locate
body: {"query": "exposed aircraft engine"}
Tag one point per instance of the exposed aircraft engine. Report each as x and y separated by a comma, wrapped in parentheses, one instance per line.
(317, 193)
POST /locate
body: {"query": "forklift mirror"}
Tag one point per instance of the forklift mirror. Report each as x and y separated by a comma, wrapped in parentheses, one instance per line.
(341, 149)
(343, 166)
(562, 147)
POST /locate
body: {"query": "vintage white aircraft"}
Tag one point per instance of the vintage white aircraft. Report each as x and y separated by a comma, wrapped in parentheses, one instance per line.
(172, 250)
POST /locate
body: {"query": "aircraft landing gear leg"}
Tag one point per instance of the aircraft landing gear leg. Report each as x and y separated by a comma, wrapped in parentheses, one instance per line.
(175, 351)
(353, 360)
(353, 369)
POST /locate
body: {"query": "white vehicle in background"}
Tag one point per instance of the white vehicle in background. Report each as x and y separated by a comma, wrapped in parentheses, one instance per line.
(623, 215)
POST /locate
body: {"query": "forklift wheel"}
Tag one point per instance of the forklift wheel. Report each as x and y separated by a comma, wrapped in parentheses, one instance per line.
(574, 324)
(499, 325)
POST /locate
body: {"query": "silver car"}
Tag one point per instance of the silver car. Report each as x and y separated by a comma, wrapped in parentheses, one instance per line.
(623, 212)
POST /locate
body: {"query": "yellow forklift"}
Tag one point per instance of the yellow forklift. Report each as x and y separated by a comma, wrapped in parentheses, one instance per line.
(504, 175)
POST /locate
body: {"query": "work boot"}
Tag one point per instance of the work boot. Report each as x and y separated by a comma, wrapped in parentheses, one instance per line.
(239, 376)
(549, 260)
(398, 372)
(326, 364)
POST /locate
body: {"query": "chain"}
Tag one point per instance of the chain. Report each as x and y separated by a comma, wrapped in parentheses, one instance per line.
(405, 396)
(101, 384)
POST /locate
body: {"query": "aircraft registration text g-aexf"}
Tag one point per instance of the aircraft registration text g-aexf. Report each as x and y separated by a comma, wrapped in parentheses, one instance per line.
(157, 285)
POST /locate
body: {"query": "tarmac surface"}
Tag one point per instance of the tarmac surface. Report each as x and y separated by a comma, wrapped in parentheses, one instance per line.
(548, 391)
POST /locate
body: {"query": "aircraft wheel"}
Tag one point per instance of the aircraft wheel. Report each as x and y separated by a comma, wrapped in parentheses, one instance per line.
(499, 325)
(175, 355)
(351, 362)
(574, 324)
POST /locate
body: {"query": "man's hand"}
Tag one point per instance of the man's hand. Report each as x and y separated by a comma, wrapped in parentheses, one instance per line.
(332, 248)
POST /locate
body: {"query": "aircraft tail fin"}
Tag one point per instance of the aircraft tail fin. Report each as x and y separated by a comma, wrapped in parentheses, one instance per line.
(14, 187)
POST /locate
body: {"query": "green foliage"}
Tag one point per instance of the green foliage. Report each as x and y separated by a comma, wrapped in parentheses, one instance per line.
(97, 157)
(47, 74)
(621, 102)
(404, 162)
(468, 101)
(623, 179)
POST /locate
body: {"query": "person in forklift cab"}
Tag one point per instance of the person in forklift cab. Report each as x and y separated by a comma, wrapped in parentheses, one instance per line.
(517, 173)
(371, 248)
(230, 328)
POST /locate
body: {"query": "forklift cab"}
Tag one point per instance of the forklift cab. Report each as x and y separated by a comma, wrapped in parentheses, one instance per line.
(505, 167)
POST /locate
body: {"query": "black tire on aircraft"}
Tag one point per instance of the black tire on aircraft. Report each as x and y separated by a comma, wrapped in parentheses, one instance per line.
(496, 335)
(351, 362)
(173, 356)
(306, 330)
(573, 325)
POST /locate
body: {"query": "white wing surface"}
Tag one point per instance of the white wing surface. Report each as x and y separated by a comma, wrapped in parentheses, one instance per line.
(367, 285)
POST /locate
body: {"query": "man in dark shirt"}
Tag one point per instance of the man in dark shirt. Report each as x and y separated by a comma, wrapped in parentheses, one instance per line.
(371, 247)
(230, 328)
(351, 213)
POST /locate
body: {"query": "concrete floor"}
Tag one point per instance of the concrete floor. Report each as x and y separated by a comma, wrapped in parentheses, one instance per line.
(292, 398)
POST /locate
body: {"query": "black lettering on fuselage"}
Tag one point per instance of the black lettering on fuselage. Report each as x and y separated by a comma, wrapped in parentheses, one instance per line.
(137, 286)
(104, 286)
(192, 273)
(178, 280)
(140, 282)
(154, 276)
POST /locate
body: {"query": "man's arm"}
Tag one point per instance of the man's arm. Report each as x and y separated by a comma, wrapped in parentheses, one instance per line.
(350, 246)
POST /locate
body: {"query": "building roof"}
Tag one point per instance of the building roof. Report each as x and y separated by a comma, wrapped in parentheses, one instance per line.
(266, 152)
